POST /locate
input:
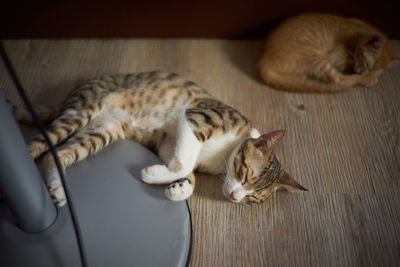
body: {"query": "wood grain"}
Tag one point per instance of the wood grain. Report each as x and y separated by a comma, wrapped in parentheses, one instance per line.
(344, 148)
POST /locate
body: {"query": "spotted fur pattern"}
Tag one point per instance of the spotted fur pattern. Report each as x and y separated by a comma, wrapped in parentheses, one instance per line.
(187, 127)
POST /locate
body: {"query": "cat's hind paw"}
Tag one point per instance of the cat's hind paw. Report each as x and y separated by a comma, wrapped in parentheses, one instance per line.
(55, 188)
(179, 190)
(57, 195)
(369, 79)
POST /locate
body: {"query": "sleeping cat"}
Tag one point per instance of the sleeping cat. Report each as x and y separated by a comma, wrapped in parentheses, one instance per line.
(324, 53)
(187, 127)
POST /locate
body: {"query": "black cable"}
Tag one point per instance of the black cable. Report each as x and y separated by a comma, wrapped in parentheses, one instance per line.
(189, 257)
(42, 130)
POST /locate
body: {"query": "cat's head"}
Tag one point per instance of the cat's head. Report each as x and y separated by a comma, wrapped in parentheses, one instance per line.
(253, 171)
(373, 53)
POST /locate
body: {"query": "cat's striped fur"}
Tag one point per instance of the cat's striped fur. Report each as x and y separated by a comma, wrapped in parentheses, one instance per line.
(324, 53)
(187, 127)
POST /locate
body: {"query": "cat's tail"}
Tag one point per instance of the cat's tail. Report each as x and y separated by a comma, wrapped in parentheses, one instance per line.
(45, 113)
(294, 83)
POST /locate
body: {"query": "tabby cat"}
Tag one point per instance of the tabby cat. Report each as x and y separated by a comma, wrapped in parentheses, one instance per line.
(187, 127)
(324, 53)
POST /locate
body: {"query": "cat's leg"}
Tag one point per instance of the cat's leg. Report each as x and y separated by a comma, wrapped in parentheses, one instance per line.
(166, 149)
(298, 83)
(86, 142)
(181, 189)
(367, 79)
(45, 113)
(186, 151)
(314, 74)
(322, 69)
(64, 126)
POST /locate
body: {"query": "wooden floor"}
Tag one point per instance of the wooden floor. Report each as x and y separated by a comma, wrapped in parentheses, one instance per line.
(344, 148)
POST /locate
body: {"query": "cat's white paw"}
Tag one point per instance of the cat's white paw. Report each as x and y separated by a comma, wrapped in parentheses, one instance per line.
(55, 188)
(179, 190)
(57, 195)
(155, 174)
(369, 79)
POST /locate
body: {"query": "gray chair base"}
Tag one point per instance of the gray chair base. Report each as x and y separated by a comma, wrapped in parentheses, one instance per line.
(124, 222)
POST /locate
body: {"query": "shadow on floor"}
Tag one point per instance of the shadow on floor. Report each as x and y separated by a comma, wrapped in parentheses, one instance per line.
(209, 186)
(244, 55)
(245, 52)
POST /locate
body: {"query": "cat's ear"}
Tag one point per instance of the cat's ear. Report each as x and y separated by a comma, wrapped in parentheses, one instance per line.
(287, 181)
(370, 45)
(267, 142)
(374, 41)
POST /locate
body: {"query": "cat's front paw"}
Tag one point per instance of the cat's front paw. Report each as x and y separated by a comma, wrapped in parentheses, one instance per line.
(154, 174)
(179, 190)
(55, 188)
(369, 79)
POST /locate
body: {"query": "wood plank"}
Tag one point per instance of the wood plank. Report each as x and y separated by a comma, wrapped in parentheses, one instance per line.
(296, 229)
(343, 148)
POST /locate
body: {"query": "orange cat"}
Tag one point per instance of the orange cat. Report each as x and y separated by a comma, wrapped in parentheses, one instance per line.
(324, 53)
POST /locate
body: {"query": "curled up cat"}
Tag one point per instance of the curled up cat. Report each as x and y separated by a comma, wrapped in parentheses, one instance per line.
(324, 53)
(188, 128)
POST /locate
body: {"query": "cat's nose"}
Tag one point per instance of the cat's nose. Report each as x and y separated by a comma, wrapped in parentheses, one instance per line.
(232, 196)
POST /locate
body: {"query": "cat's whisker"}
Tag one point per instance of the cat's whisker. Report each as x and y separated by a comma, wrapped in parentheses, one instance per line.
(221, 177)
(226, 164)
(244, 204)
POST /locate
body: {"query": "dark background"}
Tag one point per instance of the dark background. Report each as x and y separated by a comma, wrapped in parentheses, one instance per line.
(247, 19)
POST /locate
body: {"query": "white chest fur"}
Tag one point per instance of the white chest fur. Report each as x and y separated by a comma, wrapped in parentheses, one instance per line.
(215, 152)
